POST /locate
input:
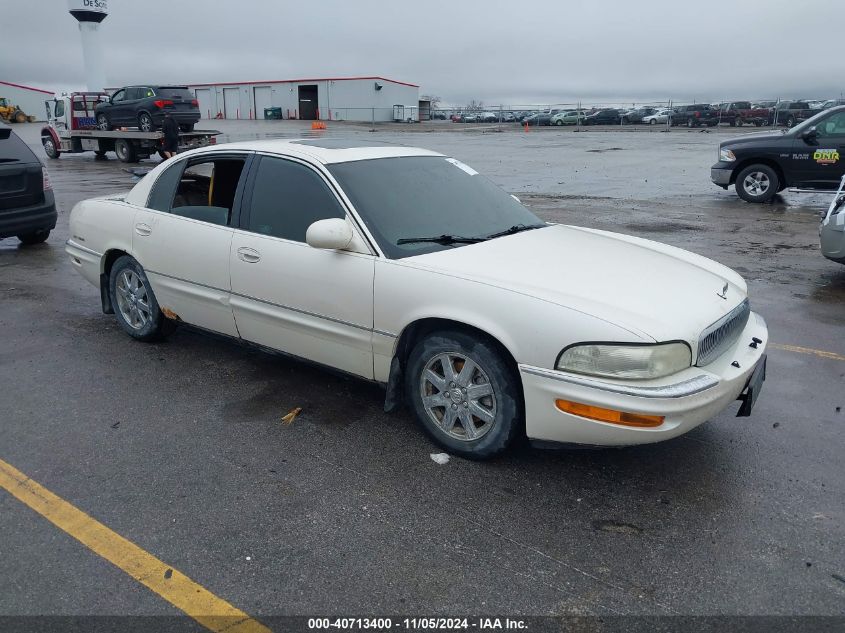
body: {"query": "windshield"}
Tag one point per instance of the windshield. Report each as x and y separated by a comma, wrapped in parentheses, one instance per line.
(427, 196)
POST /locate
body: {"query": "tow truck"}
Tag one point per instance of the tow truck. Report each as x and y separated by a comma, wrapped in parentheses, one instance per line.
(72, 128)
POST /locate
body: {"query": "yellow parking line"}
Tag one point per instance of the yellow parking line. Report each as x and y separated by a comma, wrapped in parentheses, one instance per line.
(808, 350)
(203, 606)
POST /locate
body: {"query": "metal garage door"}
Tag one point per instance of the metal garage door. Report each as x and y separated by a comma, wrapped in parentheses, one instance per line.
(231, 103)
(262, 100)
(204, 97)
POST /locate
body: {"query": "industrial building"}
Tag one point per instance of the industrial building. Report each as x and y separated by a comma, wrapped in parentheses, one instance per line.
(30, 100)
(329, 99)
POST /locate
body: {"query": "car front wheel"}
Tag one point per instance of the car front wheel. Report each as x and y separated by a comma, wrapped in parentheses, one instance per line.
(464, 394)
(134, 303)
(757, 183)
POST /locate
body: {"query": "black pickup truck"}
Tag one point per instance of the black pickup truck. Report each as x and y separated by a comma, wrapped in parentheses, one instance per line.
(790, 113)
(695, 115)
(809, 156)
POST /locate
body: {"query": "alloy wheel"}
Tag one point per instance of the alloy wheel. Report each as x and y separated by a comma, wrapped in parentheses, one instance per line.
(458, 396)
(133, 299)
(756, 184)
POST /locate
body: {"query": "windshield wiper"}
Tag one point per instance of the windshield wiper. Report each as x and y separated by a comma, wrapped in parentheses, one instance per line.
(516, 228)
(441, 239)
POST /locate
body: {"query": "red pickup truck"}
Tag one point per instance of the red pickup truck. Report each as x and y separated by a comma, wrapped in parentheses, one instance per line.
(736, 113)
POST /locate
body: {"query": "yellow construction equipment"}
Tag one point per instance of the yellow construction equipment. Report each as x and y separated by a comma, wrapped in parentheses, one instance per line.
(12, 113)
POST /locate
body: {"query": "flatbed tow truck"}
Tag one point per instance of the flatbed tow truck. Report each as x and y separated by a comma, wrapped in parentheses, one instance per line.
(72, 128)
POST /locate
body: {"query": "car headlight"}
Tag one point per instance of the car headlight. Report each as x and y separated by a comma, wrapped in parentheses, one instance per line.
(639, 362)
(726, 155)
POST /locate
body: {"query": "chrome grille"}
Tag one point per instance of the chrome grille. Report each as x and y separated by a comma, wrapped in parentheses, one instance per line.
(720, 335)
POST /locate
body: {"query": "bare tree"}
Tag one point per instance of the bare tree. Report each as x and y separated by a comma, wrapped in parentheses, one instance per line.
(474, 106)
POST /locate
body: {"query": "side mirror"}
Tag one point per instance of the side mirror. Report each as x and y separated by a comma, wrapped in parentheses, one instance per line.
(810, 133)
(330, 234)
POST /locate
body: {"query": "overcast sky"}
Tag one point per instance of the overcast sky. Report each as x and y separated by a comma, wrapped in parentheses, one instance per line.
(500, 52)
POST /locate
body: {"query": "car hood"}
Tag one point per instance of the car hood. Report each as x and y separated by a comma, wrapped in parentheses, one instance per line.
(655, 291)
(754, 137)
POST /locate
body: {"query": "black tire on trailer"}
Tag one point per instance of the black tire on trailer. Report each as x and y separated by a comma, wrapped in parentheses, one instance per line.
(757, 183)
(103, 122)
(125, 151)
(50, 147)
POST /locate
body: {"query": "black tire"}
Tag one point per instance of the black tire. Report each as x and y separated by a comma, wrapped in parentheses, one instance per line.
(99, 155)
(738, 122)
(36, 237)
(653, 122)
(103, 122)
(790, 122)
(758, 123)
(690, 123)
(125, 151)
(505, 399)
(19, 117)
(768, 183)
(154, 326)
(559, 122)
(145, 122)
(187, 127)
(50, 147)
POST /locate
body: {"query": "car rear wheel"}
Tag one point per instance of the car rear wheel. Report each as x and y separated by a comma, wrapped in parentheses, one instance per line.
(145, 122)
(559, 122)
(103, 122)
(690, 123)
(464, 394)
(134, 303)
(36, 237)
(50, 147)
(790, 122)
(757, 183)
(738, 122)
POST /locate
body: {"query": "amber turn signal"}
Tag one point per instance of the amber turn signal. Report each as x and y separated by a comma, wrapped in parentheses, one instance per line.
(639, 420)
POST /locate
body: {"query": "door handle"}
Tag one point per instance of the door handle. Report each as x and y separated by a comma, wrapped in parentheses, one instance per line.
(143, 229)
(249, 255)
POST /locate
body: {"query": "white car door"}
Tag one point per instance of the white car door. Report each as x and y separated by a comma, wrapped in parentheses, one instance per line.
(312, 303)
(183, 237)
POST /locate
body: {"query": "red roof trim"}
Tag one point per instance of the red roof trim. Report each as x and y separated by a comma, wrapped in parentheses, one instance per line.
(7, 83)
(292, 81)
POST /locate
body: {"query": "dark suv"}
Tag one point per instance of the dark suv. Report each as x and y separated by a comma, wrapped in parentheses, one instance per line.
(27, 206)
(695, 115)
(144, 107)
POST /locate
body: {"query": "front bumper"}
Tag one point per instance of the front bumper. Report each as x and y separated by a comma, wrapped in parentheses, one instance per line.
(832, 237)
(721, 175)
(686, 399)
(41, 216)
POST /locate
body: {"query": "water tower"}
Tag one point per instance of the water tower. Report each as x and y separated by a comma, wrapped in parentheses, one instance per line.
(89, 14)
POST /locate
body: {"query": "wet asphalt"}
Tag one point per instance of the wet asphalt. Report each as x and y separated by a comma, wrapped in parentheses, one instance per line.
(179, 446)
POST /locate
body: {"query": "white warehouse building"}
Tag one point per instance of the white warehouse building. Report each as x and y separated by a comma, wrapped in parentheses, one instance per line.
(327, 99)
(30, 100)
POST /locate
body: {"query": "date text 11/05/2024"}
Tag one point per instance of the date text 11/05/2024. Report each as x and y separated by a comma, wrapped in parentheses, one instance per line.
(384, 624)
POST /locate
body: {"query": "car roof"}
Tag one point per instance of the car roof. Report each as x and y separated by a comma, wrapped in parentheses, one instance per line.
(327, 150)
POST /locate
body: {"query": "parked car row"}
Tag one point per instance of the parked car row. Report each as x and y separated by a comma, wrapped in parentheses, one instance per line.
(733, 113)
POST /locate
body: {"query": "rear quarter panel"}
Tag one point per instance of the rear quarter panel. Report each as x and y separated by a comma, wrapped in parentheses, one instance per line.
(101, 226)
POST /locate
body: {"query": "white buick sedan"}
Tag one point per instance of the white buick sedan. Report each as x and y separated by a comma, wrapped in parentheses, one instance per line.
(408, 268)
